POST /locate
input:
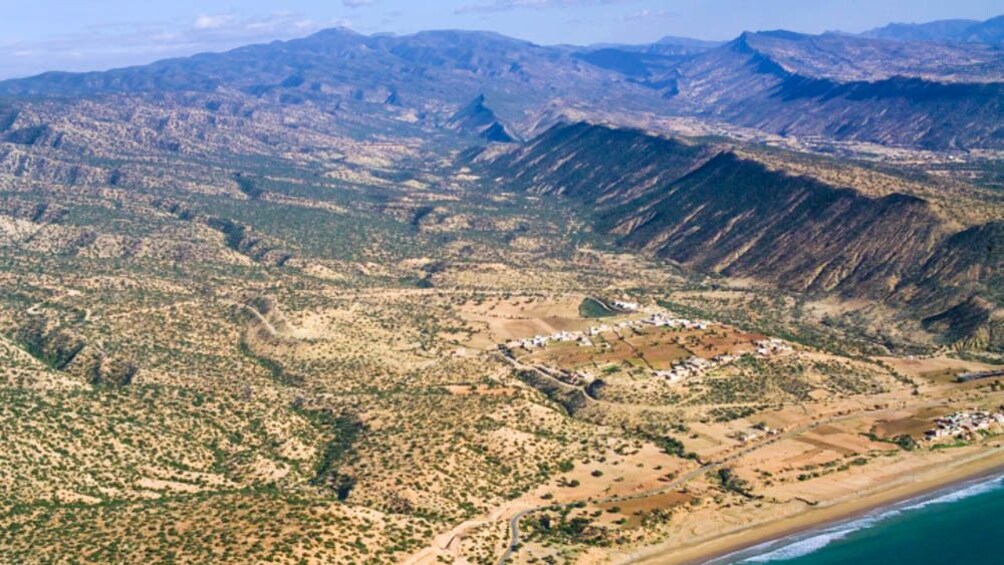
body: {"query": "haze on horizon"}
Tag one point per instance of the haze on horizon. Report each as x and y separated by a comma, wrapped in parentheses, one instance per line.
(74, 36)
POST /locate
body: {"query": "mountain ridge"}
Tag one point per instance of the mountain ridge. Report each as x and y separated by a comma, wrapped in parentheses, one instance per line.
(710, 210)
(990, 31)
(832, 86)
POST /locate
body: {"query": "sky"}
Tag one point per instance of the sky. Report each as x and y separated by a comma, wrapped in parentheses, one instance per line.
(81, 35)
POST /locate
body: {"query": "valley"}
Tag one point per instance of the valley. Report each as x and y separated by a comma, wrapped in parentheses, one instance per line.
(453, 297)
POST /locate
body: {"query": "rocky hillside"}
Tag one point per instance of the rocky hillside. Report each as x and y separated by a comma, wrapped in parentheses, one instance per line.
(970, 324)
(906, 94)
(711, 210)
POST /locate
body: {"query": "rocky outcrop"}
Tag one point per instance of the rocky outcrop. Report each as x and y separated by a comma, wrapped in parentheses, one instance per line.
(246, 241)
(66, 350)
(477, 119)
(971, 324)
(238, 237)
(964, 263)
(572, 399)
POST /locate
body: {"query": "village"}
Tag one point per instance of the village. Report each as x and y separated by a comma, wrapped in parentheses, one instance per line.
(689, 367)
(965, 425)
(756, 432)
(658, 319)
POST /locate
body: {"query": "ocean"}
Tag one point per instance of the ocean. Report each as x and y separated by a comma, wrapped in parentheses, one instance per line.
(964, 525)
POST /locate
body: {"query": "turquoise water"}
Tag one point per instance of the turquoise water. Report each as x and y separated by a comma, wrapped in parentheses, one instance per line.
(961, 526)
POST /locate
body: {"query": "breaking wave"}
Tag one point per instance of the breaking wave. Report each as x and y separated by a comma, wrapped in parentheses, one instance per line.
(793, 548)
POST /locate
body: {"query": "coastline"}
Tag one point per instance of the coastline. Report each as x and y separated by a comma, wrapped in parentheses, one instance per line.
(936, 481)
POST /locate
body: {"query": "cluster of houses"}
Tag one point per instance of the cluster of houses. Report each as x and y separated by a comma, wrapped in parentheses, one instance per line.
(626, 306)
(682, 370)
(659, 319)
(541, 341)
(773, 346)
(964, 424)
(597, 330)
(752, 434)
(689, 368)
(696, 366)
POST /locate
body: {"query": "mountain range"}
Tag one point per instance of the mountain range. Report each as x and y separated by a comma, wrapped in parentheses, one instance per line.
(843, 88)
(706, 207)
(960, 31)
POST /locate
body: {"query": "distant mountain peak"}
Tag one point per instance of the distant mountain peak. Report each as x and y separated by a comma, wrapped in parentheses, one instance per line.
(990, 32)
(497, 133)
(782, 34)
(479, 119)
(689, 42)
(474, 115)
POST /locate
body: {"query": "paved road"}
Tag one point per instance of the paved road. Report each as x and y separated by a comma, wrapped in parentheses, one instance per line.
(514, 534)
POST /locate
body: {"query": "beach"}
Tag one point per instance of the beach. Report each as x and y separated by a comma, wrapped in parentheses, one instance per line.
(973, 467)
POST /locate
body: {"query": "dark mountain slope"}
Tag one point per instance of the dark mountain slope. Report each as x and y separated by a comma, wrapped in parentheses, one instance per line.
(735, 217)
(896, 111)
(970, 261)
(852, 89)
(969, 324)
(473, 116)
(652, 66)
(477, 119)
(711, 210)
(990, 31)
(843, 58)
(630, 163)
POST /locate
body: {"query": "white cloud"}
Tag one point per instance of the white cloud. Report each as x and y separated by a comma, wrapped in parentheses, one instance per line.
(121, 44)
(648, 15)
(505, 5)
(217, 21)
(357, 3)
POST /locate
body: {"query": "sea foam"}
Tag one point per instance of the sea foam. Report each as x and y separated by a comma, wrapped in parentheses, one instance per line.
(793, 548)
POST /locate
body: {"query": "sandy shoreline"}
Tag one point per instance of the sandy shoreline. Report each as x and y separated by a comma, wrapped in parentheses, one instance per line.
(984, 465)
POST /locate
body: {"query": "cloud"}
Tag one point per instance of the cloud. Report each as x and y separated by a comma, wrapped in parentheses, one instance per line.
(228, 25)
(486, 6)
(357, 3)
(121, 44)
(642, 15)
(212, 22)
